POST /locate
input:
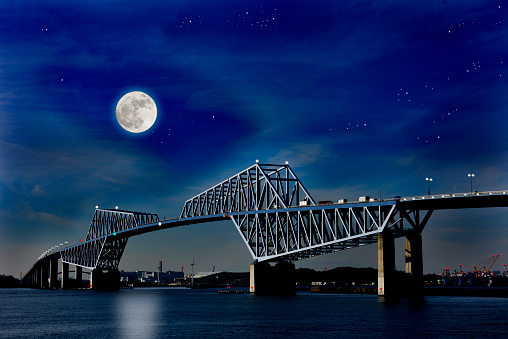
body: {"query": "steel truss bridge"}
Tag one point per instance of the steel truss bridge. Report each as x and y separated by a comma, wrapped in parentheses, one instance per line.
(275, 215)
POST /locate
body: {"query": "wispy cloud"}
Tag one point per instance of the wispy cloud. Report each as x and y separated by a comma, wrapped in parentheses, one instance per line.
(300, 155)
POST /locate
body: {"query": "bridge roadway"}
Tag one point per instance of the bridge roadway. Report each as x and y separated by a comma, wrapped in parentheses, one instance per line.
(265, 204)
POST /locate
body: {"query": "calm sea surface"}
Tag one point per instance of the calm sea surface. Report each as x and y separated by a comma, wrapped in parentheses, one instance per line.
(185, 313)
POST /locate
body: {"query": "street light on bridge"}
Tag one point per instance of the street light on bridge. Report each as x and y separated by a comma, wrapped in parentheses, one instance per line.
(471, 176)
(429, 180)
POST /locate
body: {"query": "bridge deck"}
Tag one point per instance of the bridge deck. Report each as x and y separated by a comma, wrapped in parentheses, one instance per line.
(433, 202)
(457, 200)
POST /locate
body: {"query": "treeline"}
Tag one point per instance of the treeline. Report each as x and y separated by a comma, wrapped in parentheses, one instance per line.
(8, 281)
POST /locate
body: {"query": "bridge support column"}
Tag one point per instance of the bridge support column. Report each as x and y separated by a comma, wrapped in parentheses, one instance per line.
(273, 280)
(386, 264)
(78, 276)
(45, 275)
(53, 273)
(105, 279)
(65, 276)
(414, 264)
(40, 276)
(37, 279)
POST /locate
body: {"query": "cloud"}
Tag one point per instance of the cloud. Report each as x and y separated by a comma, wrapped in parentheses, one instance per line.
(48, 219)
(300, 155)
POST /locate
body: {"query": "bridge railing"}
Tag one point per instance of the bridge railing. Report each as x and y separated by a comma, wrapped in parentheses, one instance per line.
(455, 195)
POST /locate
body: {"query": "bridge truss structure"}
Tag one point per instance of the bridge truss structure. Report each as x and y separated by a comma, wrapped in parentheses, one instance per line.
(279, 220)
(104, 245)
(294, 235)
(259, 187)
(276, 217)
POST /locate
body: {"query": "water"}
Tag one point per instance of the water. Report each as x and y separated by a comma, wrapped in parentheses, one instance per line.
(185, 313)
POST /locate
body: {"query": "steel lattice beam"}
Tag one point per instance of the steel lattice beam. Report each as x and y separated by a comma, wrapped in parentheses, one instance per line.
(259, 187)
(102, 248)
(106, 221)
(85, 255)
(111, 253)
(298, 234)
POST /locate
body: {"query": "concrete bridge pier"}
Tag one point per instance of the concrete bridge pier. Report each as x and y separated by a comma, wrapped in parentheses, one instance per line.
(53, 273)
(273, 280)
(65, 276)
(386, 264)
(414, 265)
(45, 275)
(78, 276)
(105, 279)
(36, 278)
(33, 278)
(40, 276)
(391, 284)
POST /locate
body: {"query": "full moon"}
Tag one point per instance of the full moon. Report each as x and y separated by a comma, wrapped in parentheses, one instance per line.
(136, 112)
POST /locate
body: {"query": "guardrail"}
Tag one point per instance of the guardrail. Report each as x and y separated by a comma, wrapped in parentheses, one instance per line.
(453, 195)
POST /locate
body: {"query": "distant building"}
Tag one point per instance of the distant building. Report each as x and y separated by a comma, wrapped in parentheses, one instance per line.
(148, 276)
(128, 276)
(205, 274)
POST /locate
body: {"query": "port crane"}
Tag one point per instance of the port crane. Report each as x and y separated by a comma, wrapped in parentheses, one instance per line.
(484, 271)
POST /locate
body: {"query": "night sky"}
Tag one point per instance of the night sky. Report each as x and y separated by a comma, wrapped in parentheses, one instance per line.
(361, 97)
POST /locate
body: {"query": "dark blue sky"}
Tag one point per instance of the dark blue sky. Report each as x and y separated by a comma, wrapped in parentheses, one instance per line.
(359, 96)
